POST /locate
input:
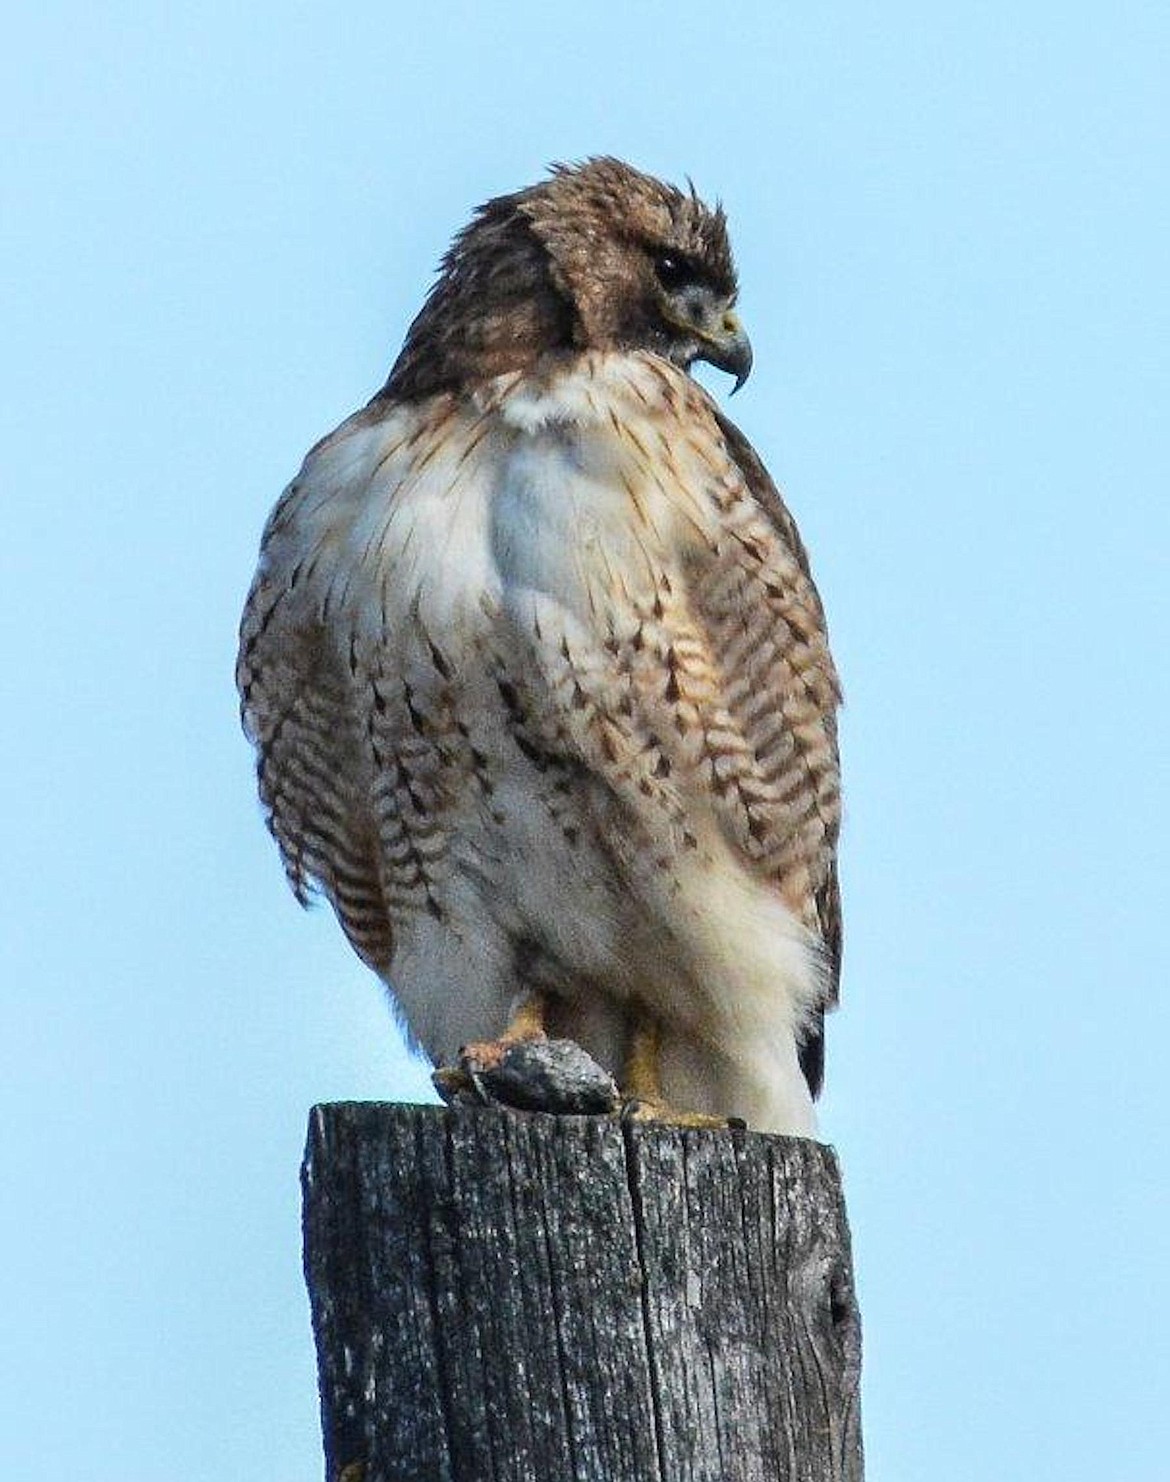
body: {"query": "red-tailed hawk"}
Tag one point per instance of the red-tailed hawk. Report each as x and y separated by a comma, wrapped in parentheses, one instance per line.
(538, 676)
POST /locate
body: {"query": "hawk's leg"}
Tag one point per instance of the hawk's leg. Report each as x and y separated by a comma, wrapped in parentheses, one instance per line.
(527, 1070)
(642, 1098)
(641, 1080)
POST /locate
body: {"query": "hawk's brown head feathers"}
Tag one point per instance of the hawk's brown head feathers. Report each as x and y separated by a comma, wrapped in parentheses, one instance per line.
(597, 257)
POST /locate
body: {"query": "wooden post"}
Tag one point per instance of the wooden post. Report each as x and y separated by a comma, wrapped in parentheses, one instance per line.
(502, 1297)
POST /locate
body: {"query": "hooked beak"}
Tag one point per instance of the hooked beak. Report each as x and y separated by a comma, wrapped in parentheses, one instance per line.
(726, 346)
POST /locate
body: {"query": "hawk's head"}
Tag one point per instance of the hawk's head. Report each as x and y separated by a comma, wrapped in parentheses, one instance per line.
(598, 256)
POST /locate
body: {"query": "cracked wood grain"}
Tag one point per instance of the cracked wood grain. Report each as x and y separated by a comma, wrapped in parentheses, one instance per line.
(500, 1297)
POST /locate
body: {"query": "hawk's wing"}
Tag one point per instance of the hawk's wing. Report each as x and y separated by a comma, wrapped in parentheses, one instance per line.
(767, 496)
(301, 692)
(828, 894)
(299, 715)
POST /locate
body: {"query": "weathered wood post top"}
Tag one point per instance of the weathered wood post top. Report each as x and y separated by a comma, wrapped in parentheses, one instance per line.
(505, 1297)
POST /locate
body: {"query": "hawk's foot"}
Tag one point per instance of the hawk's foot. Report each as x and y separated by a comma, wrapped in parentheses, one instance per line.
(530, 1074)
(647, 1109)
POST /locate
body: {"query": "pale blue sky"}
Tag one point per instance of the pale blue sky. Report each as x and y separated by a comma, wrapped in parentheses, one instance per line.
(953, 236)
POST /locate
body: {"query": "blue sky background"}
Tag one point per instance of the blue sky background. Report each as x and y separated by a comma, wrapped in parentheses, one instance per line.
(953, 236)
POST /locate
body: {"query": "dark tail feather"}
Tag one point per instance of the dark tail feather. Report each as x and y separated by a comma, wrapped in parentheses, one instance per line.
(812, 1054)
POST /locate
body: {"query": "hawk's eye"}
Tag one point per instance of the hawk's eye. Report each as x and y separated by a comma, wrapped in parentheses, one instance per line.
(672, 272)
